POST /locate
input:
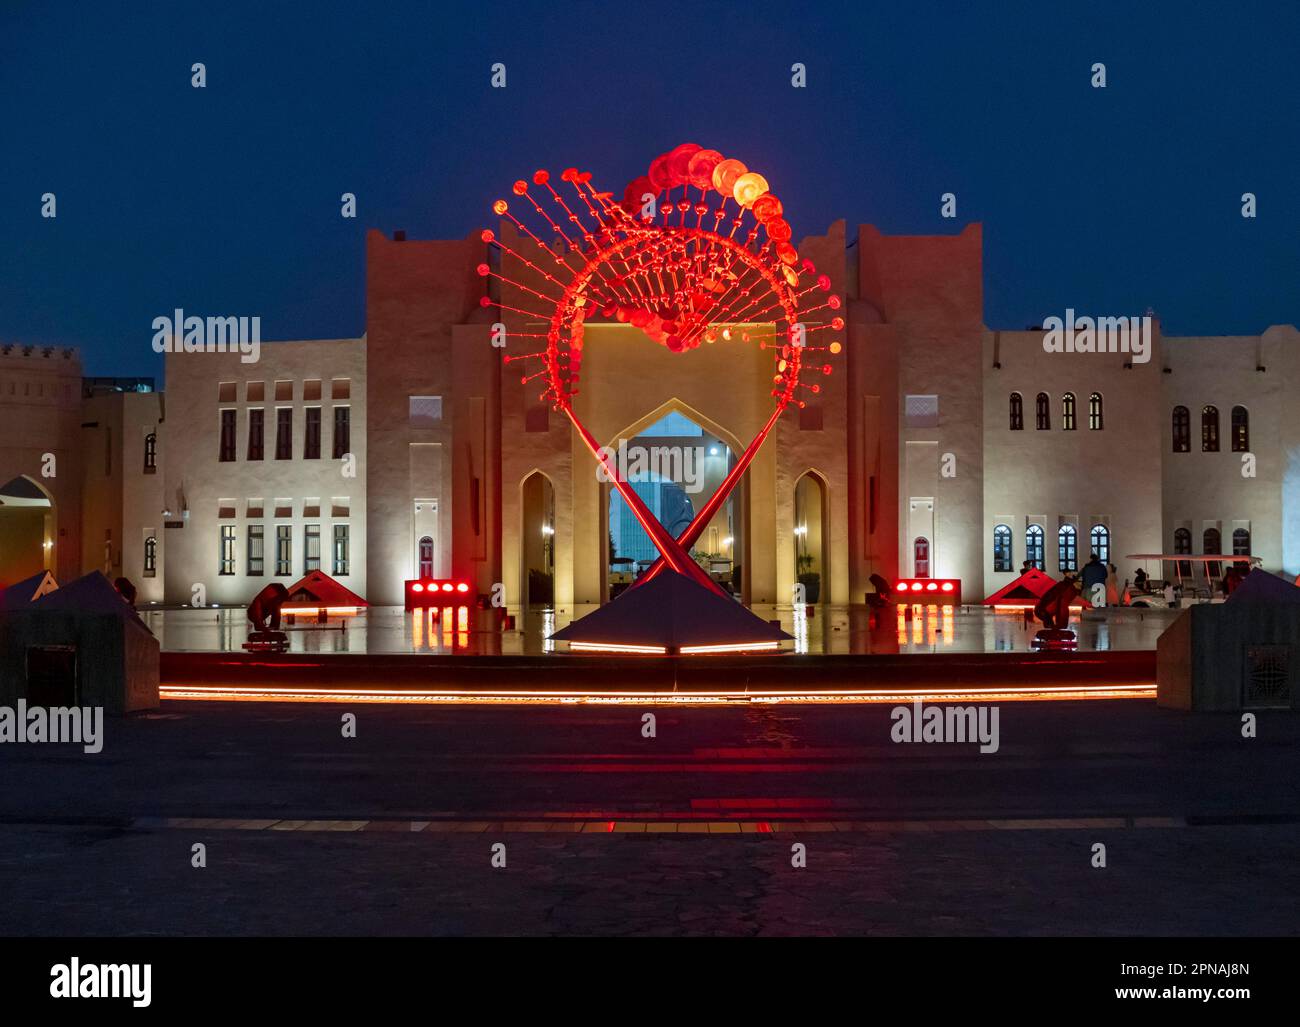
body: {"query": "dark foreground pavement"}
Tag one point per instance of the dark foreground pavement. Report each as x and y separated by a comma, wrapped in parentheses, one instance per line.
(1187, 881)
(1201, 827)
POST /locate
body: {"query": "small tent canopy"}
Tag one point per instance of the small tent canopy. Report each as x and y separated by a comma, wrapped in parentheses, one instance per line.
(15, 597)
(1027, 589)
(318, 591)
(1259, 586)
(92, 593)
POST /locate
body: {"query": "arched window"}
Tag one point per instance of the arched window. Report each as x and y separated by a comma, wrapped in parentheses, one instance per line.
(151, 556)
(1001, 548)
(1067, 412)
(1182, 430)
(1099, 539)
(1017, 412)
(921, 557)
(1209, 429)
(150, 453)
(426, 557)
(1043, 412)
(1240, 430)
(1183, 544)
(1067, 545)
(1094, 412)
(1212, 545)
(1241, 542)
(1034, 546)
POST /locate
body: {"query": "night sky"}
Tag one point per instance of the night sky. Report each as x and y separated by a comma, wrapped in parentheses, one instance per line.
(225, 200)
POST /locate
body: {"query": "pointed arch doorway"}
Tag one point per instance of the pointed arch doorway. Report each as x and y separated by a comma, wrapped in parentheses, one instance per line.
(26, 530)
(675, 459)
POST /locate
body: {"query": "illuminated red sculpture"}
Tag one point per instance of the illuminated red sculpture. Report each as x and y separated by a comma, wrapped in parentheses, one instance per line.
(1053, 610)
(696, 246)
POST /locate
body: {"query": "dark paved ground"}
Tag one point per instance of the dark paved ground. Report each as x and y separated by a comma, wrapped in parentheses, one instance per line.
(70, 862)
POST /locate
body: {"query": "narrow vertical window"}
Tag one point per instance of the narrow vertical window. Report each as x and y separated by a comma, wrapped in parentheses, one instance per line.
(226, 559)
(1212, 545)
(1068, 422)
(227, 436)
(921, 557)
(1034, 546)
(1017, 412)
(1094, 412)
(311, 549)
(284, 433)
(1183, 545)
(1209, 429)
(255, 550)
(311, 441)
(1099, 538)
(1240, 430)
(256, 433)
(283, 550)
(1043, 412)
(1067, 544)
(1182, 427)
(342, 432)
(1002, 548)
(340, 550)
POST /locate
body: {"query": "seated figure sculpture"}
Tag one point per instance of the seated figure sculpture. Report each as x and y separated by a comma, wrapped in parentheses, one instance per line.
(264, 615)
(1053, 610)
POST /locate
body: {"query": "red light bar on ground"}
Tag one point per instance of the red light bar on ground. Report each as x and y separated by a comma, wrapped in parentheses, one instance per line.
(942, 591)
(424, 592)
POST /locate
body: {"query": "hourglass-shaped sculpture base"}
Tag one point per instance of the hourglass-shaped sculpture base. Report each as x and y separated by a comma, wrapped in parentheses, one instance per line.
(673, 616)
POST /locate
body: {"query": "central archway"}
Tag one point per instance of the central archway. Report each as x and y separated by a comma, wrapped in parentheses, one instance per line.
(26, 530)
(680, 456)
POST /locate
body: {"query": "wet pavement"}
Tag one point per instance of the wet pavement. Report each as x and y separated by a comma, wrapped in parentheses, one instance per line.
(830, 630)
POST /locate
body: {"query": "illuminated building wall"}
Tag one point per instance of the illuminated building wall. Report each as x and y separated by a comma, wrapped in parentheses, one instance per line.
(451, 445)
(1208, 489)
(432, 428)
(230, 492)
(122, 490)
(1066, 474)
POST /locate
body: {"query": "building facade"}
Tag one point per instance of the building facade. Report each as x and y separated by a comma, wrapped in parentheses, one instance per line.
(936, 447)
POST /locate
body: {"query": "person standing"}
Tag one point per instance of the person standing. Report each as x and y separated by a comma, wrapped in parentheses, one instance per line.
(1094, 574)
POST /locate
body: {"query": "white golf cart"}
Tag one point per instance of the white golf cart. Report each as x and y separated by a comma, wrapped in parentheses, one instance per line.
(1193, 578)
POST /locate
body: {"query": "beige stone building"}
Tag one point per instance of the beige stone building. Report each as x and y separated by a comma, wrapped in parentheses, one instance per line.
(937, 447)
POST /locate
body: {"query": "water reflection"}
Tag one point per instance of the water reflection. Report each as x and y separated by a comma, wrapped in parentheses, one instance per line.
(462, 630)
(799, 616)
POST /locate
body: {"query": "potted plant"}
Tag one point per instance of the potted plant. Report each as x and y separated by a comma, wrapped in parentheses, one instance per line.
(809, 579)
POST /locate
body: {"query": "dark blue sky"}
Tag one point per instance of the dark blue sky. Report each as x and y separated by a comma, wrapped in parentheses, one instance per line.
(226, 200)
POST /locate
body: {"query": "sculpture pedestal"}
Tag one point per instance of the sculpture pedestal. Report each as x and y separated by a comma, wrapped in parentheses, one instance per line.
(671, 615)
(1055, 640)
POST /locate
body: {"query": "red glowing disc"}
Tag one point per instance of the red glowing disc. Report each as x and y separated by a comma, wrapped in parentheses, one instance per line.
(679, 162)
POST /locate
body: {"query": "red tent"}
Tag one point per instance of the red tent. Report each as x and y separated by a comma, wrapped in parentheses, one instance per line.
(318, 591)
(1027, 589)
